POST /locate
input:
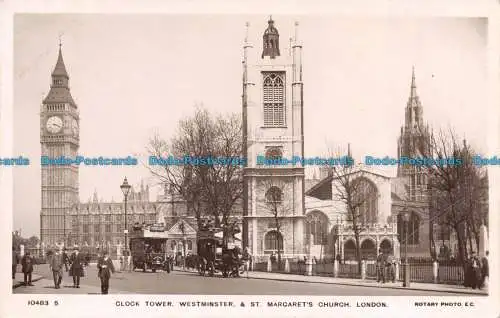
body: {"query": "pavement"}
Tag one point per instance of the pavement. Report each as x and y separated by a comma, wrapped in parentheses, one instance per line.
(19, 281)
(442, 288)
(182, 281)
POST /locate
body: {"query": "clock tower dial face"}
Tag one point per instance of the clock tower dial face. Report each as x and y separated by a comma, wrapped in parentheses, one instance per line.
(74, 127)
(54, 124)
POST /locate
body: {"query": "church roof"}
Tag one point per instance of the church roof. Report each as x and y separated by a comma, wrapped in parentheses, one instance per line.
(176, 229)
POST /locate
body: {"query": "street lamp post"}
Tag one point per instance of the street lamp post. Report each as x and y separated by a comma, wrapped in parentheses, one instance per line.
(406, 282)
(125, 187)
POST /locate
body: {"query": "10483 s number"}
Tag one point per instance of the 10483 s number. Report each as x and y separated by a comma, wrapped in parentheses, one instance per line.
(38, 302)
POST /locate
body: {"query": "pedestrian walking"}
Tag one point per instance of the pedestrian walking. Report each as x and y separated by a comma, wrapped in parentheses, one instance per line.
(391, 268)
(128, 260)
(105, 266)
(473, 272)
(65, 259)
(27, 264)
(76, 267)
(246, 257)
(15, 261)
(380, 267)
(56, 265)
(485, 271)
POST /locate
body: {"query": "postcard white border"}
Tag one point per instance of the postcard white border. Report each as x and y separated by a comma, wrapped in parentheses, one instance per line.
(90, 305)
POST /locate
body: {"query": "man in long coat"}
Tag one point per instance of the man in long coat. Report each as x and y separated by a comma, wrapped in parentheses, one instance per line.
(485, 270)
(473, 273)
(27, 263)
(56, 265)
(381, 266)
(105, 266)
(15, 261)
(76, 269)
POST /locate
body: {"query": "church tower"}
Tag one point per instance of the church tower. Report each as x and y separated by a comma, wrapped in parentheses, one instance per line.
(414, 142)
(273, 128)
(59, 136)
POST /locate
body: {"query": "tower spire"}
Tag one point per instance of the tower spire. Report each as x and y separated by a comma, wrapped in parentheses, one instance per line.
(413, 89)
(60, 69)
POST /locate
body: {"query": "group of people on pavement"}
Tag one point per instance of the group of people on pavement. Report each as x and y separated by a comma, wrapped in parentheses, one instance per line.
(76, 263)
(386, 267)
(477, 271)
(126, 261)
(73, 263)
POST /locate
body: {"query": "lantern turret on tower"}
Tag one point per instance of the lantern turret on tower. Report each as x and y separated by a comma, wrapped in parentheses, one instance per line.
(271, 41)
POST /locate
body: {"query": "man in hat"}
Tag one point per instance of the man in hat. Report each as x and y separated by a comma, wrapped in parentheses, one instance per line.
(56, 265)
(15, 261)
(380, 266)
(105, 266)
(76, 269)
(485, 270)
(65, 259)
(27, 263)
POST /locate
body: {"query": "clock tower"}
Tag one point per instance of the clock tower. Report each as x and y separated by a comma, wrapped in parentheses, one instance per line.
(59, 136)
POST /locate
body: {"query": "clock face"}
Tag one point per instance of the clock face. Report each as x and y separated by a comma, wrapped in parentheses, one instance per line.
(74, 127)
(54, 124)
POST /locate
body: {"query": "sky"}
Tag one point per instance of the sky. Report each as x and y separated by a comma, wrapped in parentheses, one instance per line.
(134, 75)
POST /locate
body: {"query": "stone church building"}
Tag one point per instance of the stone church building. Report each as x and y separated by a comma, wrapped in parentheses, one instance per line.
(311, 221)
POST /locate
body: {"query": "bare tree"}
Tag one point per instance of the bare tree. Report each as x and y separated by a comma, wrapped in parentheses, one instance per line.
(277, 205)
(350, 189)
(205, 168)
(457, 184)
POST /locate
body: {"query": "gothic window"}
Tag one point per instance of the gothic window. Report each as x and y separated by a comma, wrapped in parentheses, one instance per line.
(365, 196)
(413, 229)
(274, 99)
(274, 153)
(271, 241)
(274, 195)
(317, 226)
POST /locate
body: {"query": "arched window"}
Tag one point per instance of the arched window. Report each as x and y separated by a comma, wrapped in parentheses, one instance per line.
(190, 245)
(368, 250)
(273, 153)
(413, 228)
(272, 240)
(274, 99)
(274, 195)
(349, 250)
(365, 196)
(317, 226)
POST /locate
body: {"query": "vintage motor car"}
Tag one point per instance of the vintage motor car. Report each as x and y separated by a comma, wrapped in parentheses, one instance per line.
(148, 248)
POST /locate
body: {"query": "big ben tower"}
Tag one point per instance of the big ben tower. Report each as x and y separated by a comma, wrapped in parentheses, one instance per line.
(273, 128)
(59, 136)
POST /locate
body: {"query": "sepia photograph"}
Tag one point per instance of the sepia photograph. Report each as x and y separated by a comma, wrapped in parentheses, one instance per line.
(269, 155)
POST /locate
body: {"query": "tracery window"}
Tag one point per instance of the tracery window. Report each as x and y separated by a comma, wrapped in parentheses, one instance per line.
(317, 226)
(272, 240)
(366, 198)
(274, 99)
(274, 195)
(273, 153)
(413, 228)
